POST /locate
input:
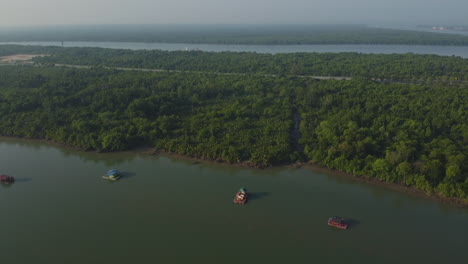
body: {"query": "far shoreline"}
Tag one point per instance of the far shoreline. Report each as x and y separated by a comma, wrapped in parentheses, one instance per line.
(363, 48)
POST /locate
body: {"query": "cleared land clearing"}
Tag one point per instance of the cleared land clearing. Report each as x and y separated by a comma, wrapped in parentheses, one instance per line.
(19, 58)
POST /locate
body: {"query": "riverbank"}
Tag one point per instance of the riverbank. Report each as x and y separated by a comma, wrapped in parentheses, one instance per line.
(393, 186)
(321, 169)
(314, 167)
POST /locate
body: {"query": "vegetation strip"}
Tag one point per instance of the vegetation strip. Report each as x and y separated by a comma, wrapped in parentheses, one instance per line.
(235, 34)
(411, 134)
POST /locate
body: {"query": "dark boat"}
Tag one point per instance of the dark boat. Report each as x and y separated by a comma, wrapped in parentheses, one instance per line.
(6, 179)
(337, 222)
(241, 196)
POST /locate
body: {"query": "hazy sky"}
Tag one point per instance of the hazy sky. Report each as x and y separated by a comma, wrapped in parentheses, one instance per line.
(40, 12)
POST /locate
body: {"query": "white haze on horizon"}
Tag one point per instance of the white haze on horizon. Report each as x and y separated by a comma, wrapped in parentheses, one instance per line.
(59, 12)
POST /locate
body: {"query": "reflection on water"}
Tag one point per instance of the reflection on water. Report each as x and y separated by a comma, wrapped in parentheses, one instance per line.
(352, 223)
(84, 156)
(22, 180)
(257, 195)
(6, 185)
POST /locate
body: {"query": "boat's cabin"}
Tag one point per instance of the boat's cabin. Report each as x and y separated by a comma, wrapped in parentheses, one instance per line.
(112, 172)
(337, 220)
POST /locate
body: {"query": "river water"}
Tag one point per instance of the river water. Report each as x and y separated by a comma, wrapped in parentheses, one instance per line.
(461, 51)
(167, 210)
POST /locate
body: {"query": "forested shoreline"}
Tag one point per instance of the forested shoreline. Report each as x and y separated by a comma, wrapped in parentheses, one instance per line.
(382, 66)
(410, 134)
(391, 67)
(233, 34)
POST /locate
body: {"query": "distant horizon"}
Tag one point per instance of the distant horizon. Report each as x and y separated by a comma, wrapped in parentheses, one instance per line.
(138, 12)
(231, 24)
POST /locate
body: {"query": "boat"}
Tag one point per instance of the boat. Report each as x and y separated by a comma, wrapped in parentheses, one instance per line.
(112, 175)
(5, 179)
(338, 222)
(241, 196)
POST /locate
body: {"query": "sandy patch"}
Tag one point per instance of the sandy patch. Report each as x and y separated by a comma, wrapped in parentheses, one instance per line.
(19, 58)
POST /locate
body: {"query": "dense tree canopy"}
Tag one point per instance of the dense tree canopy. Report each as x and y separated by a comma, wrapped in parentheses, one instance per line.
(390, 67)
(409, 133)
(228, 118)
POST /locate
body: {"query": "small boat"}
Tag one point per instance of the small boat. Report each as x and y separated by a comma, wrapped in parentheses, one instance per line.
(112, 175)
(337, 222)
(241, 196)
(5, 179)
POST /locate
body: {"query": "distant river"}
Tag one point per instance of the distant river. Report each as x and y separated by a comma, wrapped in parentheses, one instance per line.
(167, 210)
(385, 49)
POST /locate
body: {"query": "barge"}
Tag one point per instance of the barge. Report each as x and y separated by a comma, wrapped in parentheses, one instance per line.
(337, 222)
(5, 179)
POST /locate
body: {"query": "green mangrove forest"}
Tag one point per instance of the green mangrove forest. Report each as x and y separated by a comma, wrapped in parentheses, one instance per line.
(411, 129)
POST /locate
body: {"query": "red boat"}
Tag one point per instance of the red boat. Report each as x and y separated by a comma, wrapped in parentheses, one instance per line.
(241, 196)
(337, 222)
(6, 179)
